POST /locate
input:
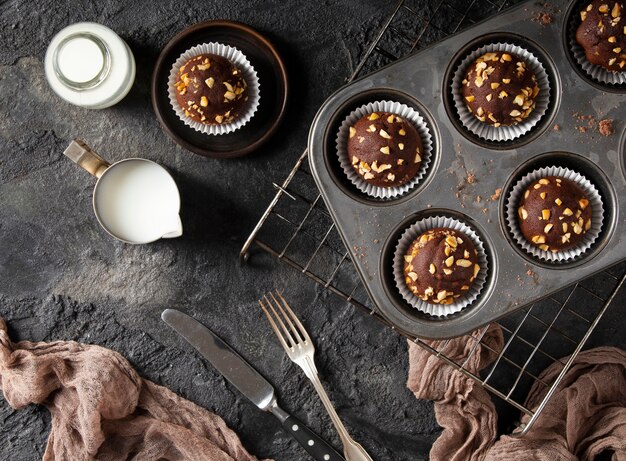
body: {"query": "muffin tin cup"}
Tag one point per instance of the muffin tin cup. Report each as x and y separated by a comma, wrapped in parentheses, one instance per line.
(501, 133)
(237, 58)
(596, 72)
(597, 215)
(407, 238)
(406, 113)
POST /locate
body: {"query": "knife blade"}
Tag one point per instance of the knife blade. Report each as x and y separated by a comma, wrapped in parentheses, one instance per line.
(247, 380)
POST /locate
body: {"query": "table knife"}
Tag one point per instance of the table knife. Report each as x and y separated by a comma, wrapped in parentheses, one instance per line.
(247, 380)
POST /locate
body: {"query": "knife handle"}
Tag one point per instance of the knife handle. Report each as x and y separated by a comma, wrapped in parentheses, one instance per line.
(310, 441)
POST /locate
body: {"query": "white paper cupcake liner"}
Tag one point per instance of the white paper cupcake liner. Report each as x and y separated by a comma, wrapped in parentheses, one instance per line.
(501, 133)
(402, 247)
(407, 113)
(594, 71)
(236, 57)
(597, 215)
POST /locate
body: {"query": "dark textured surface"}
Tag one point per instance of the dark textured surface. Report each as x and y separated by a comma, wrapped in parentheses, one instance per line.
(62, 277)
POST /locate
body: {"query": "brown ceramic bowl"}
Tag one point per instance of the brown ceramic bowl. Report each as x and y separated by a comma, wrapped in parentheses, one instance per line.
(273, 87)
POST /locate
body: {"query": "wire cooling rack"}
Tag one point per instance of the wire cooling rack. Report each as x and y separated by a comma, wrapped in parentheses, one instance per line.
(297, 229)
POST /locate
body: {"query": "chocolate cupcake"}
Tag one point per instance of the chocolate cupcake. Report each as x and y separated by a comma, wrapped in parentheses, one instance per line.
(554, 214)
(602, 34)
(399, 117)
(441, 265)
(211, 89)
(211, 73)
(500, 88)
(384, 149)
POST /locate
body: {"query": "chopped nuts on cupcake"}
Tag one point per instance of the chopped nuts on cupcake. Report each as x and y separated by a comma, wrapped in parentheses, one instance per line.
(602, 34)
(384, 149)
(554, 214)
(211, 90)
(441, 266)
(500, 89)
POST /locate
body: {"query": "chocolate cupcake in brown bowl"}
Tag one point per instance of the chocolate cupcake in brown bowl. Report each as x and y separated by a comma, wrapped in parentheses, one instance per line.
(384, 149)
(211, 89)
(441, 265)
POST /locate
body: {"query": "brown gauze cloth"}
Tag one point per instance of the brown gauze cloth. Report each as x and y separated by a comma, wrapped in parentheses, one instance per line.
(102, 409)
(585, 419)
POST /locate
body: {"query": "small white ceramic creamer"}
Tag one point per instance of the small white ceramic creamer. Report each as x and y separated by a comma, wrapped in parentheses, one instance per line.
(135, 200)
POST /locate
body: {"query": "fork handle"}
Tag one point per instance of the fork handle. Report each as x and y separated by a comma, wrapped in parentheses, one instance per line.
(352, 450)
(310, 441)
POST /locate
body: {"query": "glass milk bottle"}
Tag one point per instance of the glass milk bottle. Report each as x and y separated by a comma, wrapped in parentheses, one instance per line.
(89, 65)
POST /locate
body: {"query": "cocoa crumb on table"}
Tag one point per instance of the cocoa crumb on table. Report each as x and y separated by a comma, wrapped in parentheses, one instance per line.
(543, 18)
(605, 127)
(496, 194)
(589, 122)
(471, 178)
(582, 117)
(556, 127)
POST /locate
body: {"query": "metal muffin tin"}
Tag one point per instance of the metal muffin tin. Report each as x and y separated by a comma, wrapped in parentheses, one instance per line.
(370, 228)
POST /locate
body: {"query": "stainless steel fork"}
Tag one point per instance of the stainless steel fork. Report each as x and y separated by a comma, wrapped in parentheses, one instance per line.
(297, 343)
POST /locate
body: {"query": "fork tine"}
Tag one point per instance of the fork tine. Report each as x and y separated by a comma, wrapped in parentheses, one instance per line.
(274, 326)
(276, 319)
(302, 330)
(288, 332)
(294, 329)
